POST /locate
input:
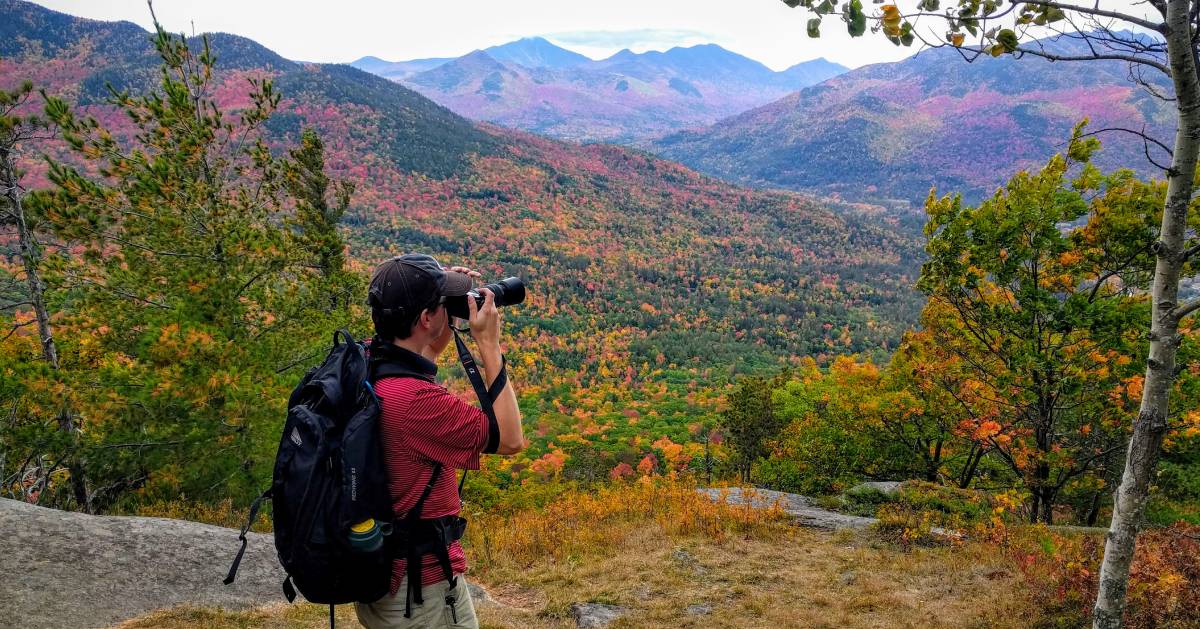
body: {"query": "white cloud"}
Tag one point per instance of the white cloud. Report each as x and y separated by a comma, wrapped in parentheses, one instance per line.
(638, 40)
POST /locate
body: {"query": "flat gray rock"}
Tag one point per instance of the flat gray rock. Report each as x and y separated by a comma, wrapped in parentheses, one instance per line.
(795, 505)
(593, 615)
(63, 569)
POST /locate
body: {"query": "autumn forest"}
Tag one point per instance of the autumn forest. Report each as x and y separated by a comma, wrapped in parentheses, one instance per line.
(187, 220)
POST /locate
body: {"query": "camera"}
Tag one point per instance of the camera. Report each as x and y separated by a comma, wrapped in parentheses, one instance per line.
(509, 291)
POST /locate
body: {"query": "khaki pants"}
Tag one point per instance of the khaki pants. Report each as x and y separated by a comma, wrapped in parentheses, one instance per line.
(388, 612)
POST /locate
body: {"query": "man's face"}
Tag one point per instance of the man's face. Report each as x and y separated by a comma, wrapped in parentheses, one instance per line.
(439, 319)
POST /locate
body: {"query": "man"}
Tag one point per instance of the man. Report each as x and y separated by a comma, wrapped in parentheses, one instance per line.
(425, 429)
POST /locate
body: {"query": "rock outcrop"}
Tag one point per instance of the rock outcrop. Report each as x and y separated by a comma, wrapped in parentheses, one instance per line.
(795, 505)
(62, 569)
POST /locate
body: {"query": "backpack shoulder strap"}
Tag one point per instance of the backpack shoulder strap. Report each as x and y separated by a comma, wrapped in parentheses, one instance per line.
(413, 558)
(415, 512)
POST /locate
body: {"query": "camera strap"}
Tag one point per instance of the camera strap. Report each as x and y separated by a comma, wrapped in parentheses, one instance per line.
(486, 396)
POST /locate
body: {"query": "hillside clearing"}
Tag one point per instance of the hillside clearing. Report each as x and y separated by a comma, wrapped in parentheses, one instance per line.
(788, 578)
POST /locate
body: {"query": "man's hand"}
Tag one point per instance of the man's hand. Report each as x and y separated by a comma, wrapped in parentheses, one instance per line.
(485, 320)
(464, 270)
(485, 328)
(474, 275)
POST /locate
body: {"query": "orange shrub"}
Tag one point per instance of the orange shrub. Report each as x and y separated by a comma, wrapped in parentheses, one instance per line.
(582, 522)
(1061, 572)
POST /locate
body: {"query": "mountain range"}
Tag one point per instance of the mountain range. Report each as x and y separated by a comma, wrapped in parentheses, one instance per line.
(889, 132)
(650, 284)
(534, 85)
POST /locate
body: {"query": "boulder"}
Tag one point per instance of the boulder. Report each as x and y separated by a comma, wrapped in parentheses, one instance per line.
(64, 569)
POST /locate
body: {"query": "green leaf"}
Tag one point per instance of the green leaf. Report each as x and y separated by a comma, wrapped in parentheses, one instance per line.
(856, 20)
(1008, 39)
(814, 27)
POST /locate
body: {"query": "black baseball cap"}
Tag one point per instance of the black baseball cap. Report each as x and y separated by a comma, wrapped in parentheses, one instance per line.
(405, 285)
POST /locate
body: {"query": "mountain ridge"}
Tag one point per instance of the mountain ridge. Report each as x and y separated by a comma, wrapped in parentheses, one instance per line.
(627, 97)
(536, 52)
(890, 132)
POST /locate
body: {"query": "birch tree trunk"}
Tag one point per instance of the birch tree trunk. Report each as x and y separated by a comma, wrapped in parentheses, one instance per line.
(1129, 504)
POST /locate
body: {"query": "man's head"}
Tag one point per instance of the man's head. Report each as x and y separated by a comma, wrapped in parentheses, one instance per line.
(406, 296)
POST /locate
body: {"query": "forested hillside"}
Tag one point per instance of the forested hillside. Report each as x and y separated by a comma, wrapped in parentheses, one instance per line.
(650, 285)
(888, 132)
(185, 220)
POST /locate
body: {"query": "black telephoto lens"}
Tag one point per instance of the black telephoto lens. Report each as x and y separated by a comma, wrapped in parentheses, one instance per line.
(508, 292)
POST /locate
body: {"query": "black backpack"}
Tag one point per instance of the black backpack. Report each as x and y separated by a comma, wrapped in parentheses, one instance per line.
(330, 475)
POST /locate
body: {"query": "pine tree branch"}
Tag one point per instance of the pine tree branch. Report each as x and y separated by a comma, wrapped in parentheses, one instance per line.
(147, 444)
(119, 292)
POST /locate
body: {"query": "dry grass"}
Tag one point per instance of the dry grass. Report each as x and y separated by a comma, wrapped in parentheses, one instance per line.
(636, 549)
(802, 578)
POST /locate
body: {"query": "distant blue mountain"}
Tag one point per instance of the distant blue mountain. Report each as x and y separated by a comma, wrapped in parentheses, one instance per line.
(536, 52)
(533, 84)
(397, 70)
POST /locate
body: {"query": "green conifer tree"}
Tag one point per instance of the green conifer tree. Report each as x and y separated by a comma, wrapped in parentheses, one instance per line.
(199, 257)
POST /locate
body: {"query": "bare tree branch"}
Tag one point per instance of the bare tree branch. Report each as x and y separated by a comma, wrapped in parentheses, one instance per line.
(18, 326)
(1096, 11)
(1100, 57)
(1185, 309)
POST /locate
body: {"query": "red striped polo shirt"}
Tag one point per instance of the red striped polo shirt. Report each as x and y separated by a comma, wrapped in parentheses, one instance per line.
(422, 422)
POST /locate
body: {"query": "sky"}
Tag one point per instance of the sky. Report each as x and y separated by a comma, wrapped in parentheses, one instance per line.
(396, 30)
(342, 31)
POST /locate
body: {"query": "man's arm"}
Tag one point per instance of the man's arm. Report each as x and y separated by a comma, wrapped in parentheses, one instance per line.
(485, 328)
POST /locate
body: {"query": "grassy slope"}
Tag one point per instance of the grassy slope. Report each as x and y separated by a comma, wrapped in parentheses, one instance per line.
(801, 578)
(658, 548)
